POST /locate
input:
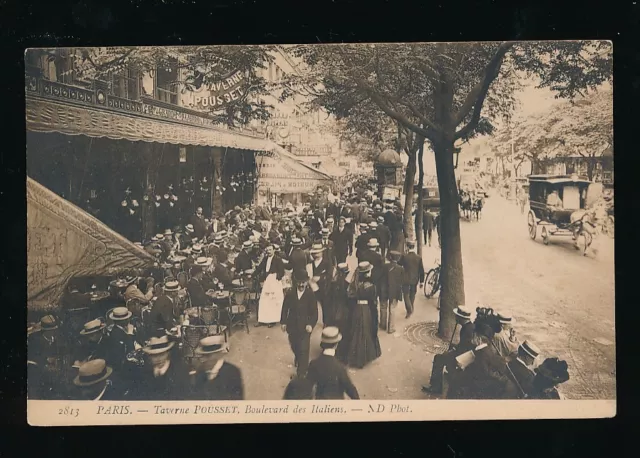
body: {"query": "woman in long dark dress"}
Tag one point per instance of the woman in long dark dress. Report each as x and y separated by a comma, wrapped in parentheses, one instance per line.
(362, 344)
(340, 299)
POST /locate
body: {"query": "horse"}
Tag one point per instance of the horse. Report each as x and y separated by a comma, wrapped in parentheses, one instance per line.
(465, 204)
(476, 208)
(584, 225)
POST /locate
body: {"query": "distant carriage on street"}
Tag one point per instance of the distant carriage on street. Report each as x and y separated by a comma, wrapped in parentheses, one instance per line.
(557, 203)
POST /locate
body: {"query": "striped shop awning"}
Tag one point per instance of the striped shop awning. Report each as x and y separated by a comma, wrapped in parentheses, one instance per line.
(45, 115)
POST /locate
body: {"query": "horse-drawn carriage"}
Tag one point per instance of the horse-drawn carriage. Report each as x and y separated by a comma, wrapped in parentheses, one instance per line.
(558, 204)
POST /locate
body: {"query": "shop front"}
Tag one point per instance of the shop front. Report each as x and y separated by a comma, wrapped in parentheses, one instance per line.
(286, 180)
(139, 166)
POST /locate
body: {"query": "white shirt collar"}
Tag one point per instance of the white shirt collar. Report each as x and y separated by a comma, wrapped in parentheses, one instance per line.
(300, 293)
(329, 352)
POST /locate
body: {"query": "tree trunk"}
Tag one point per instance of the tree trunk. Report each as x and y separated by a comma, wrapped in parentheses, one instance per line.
(451, 275)
(408, 200)
(420, 209)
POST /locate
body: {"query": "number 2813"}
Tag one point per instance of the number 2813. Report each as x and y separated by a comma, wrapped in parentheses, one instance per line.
(68, 411)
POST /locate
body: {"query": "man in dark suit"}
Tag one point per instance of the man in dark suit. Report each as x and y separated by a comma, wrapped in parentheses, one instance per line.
(195, 287)
(216, 379)
(391, 287)
(383, 234)
(347, 214)
(165, 376)
(298, 258)
(243, 260)
(328, 246)
(299, 317)
(521, 372)
(328, 374)
(371, 255)
(198, 223)
(342, 239)
(322, 273)
(222, 272)
(463, 321)
(413, 274)
(161, 315)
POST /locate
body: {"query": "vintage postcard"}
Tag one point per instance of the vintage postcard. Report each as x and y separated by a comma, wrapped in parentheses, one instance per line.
(320, 233)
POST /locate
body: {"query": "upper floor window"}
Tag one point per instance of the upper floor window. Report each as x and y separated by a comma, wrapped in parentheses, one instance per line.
(126, 84)
(167, 82)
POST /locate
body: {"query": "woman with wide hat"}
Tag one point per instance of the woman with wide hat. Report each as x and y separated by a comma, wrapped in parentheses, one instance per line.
(362, 341)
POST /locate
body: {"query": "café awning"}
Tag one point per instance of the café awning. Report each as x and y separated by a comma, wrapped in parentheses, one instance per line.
(45, 115)
(64, 241)
(287, 175)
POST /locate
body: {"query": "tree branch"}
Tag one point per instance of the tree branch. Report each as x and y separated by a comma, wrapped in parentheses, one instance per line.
(402, 119)
(475, 98)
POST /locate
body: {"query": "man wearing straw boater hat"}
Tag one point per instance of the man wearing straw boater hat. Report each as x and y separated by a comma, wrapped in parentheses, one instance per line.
(329, 375)
(297, 258)
(122, 338)
(164, 377)
(521, 370)
(243, 260)
(215, 378)
(299, 317)
(93, 382)
(505, 341)
(195, 287)
(342, 239)
(463, 320)
(93, 344)
(320, 271)
(161, 315)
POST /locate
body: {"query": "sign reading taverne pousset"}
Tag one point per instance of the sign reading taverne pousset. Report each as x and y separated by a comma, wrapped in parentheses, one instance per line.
(221, 92)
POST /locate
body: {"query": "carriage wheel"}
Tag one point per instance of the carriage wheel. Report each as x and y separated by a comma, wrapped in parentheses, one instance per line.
(545, 236)
(533, 226)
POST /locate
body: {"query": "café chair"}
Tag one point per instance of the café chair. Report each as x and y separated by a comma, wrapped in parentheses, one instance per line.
(135, 306)
(238, 313)
(191, 336)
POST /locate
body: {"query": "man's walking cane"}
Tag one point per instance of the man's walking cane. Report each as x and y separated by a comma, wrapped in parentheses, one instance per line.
(453, 335)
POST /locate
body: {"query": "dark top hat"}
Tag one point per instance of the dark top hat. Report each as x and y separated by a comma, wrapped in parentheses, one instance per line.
(301, 276)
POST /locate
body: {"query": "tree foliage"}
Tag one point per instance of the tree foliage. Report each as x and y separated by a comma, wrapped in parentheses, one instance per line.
(445, 92)
(198, 65)
(582, 126)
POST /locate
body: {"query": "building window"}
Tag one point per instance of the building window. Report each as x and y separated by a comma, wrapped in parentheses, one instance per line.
(126, 84)
(167, 82)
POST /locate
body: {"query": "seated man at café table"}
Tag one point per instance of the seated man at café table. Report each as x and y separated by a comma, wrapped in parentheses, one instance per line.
(122, 338)
(162, 311)
(133, 292)
(195, 287)
(93, 343)
(215, 378)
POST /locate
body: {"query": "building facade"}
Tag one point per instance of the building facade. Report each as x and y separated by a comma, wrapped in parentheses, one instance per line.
(134, 150)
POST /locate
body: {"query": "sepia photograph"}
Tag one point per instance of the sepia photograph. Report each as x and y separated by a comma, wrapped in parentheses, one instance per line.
(213, 228)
